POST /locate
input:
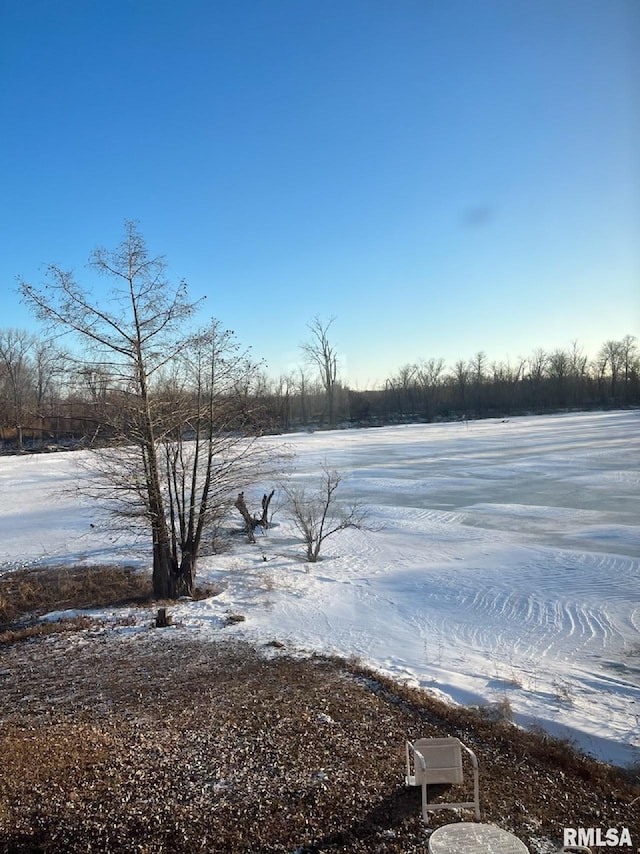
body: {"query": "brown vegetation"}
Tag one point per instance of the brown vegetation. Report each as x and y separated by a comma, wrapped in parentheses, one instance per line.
(34, 591)
(26, 594)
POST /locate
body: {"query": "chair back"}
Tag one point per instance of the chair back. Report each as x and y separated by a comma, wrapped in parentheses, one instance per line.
(443, 760)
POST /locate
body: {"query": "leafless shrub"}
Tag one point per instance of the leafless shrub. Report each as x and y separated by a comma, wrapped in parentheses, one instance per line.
(317, 515)
(498, 711)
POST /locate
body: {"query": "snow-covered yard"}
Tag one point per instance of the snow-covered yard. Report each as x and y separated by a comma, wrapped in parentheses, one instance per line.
(502, 564)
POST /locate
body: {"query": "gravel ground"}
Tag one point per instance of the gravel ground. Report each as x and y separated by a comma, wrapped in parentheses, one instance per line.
(156, 741)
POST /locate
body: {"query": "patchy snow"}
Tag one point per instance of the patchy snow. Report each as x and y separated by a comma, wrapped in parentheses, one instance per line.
(503, 562)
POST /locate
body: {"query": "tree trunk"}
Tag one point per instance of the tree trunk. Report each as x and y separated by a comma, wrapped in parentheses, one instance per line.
(186, 574)
(163, 570)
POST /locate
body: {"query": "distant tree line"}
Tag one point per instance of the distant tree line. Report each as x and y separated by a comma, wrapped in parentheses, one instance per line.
(48, 397)
(427, 390)
(543, 382)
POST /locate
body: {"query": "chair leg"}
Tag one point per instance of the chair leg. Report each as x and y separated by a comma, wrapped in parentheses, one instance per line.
(476, 792)
(425, 812)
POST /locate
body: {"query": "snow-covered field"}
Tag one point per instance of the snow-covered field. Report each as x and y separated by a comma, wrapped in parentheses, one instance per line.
(503, 563)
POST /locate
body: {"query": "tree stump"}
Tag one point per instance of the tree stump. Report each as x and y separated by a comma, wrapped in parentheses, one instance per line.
(253, 522)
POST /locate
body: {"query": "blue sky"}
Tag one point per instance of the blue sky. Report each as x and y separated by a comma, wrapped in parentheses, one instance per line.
(443, 176)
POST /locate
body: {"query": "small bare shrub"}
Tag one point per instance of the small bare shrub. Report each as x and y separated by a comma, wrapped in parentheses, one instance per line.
(318, 516)
(563, 691)
(498, 711)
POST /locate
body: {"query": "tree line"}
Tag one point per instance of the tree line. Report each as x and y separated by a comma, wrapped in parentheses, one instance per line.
(551, 381)
(427, 390)
(49, 396)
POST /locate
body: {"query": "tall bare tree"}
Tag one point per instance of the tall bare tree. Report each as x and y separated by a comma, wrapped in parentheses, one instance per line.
(178, 408)
(537, 365)
(302, 384)
(131, 338)
(559, 369)
(50, 364)
(630, 365)
(462, 376)
(319, 351)
(611, 356)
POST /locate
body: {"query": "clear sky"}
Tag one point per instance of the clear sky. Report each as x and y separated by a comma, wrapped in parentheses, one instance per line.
(443, 176)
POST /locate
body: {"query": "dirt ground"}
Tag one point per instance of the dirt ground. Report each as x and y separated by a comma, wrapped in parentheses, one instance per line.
(115, 740)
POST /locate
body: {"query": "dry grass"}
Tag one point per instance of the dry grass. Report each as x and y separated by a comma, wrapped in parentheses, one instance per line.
(29, 592)
(155, 741)
(20, 633)
(26, 594)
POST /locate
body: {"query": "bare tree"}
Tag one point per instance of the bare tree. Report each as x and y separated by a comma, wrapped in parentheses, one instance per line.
(320, 352)
(611, 354)
(179, 410)
(16, 361)
(317, 515)
(429, 376)
(478, 377)
(283, 389)
(210, 444)
(49, 367)
(405, 382)
(478, 367)
(501, 390)
(630, 364)
(462, 376)
(131, 338)
(537, 371)
(559, 370)
(302, 390)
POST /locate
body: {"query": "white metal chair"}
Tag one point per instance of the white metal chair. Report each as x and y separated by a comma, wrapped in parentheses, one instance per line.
(439, 760)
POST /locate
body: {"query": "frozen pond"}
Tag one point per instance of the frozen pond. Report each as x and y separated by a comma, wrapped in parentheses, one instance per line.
(503, 563)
